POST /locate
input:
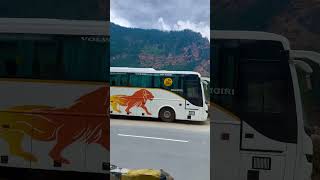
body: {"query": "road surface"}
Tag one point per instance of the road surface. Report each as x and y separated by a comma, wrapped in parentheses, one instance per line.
(181, 149)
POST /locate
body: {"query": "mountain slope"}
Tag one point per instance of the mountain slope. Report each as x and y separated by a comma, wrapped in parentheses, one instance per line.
(175, 50)
(295, 19)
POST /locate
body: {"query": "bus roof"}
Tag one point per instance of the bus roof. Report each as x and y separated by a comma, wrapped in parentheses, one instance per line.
(53, 26)
(150, 70)
(250, 35)
(314, 56)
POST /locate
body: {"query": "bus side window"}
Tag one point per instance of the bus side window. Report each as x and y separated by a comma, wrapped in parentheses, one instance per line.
(11, 67)
(46, 60)
(144, 81)
(123, 80)
(112, 80)
(8, 65)
(177, 82)
(2, 68)
(156, 81)
(119, 79)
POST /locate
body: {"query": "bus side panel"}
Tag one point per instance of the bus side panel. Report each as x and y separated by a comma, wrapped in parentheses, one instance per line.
(126, 99)
(73, 154)
(7, 158)
(97, 154)
(200, 113)
(225, 153)
(97, 158)
(130, 100)
(264, 166)
(60, 118)
(12, 142)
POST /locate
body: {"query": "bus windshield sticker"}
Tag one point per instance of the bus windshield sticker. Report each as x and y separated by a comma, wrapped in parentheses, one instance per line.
(95, 39)
(223, 91)
(177, 90)
(167, 82)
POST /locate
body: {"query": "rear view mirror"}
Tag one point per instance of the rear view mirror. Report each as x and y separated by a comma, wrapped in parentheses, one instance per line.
(308, 82)
(307, 70)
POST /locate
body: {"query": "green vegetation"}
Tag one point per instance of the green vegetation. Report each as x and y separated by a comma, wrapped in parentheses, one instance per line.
(174, 50)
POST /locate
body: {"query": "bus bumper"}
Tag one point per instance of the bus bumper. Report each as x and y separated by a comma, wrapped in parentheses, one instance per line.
(307, 167)
(200, 116)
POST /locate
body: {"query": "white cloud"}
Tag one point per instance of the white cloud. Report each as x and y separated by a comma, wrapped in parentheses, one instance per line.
(165, 15)
(119, 20)
(162, 25)
(200, 27)
(180, 25)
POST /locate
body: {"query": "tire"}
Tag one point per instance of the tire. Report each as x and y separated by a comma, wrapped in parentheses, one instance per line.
(167, 114)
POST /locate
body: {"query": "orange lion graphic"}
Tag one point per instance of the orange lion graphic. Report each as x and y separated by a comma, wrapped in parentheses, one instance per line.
(138, 99)
(86, 120)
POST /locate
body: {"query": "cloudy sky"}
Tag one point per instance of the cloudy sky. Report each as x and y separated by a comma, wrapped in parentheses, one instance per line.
(165, 15)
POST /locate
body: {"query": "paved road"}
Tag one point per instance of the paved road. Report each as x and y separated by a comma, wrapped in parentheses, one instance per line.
(182, 149)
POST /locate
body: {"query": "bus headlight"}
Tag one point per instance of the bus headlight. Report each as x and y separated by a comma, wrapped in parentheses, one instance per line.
(192, 113)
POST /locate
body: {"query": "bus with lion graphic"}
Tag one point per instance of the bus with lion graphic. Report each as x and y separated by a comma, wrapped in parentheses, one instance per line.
(168, 95)
(54, 95)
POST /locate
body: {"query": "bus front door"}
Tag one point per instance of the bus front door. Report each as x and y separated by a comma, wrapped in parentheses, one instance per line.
(268, 126)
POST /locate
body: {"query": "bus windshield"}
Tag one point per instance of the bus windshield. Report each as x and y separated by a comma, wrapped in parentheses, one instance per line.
(310, 92)
(52, 57)
(252, 81)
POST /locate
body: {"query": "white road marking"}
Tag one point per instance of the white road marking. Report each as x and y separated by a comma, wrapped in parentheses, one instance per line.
(146, 137)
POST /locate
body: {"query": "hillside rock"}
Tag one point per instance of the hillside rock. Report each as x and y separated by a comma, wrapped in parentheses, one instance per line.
(176, 50)
(295, 19)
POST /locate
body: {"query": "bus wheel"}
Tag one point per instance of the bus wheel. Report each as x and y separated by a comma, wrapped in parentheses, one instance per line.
(167, 114)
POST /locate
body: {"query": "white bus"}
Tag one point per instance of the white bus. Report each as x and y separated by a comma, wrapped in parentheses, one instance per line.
(53, 91)
(168, 95)
(257, 130)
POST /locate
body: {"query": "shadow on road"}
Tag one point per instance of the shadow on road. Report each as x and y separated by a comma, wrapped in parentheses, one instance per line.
(135, 118)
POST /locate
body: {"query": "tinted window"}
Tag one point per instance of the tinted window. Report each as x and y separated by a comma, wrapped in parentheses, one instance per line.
(266, 99)
(140, 80)
(192, 90)
(253, 49)
(119, 79)
(55, 9)
(176, 82)
(261, 92)
(258, 90)
(53, 57)
(224, 79)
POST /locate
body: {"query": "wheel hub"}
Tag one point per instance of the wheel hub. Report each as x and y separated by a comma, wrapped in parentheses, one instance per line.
(167, 114)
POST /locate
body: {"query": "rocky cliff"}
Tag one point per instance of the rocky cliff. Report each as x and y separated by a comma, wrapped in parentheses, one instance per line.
(176, 50)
